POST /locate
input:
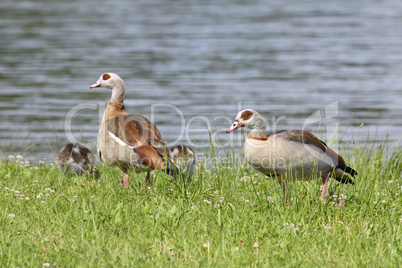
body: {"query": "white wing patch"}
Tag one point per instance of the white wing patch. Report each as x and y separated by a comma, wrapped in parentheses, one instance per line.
(119, 141)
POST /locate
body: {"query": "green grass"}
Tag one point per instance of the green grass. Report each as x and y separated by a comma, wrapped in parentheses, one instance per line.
(47, 217)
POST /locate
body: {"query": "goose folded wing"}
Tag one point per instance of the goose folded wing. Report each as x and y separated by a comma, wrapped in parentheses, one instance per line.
(308, 138)
(138, 133)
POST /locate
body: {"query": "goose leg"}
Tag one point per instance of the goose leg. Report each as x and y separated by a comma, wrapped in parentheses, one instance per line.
(324, 186)
(125, 179)
(148, 178)
(285, 192)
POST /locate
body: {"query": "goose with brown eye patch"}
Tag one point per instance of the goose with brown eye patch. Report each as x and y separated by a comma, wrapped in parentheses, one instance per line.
(130, 142)
(289, 155)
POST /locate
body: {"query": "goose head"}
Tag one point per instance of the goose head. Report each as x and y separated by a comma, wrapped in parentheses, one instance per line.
(247, 118)
(109, 80)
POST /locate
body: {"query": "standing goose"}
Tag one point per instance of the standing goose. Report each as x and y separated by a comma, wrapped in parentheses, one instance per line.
(290, 152)
(129, 141)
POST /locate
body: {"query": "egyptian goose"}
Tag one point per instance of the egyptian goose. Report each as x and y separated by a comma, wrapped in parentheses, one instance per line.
(76, 158)
(184, 157)
(129, 141)
(290, 152)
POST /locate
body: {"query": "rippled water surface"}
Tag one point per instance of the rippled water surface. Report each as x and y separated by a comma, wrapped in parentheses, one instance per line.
(206, 60)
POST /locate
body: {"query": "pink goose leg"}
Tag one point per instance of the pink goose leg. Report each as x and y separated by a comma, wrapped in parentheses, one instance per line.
(125, 179)
(324, 186)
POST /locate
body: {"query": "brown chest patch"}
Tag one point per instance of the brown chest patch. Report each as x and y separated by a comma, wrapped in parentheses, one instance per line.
(106, 76)
(116, 106)
(264, 137)
(246, 115)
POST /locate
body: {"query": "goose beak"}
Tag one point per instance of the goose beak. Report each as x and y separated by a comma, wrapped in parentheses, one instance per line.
(234, 126)
(96, 84)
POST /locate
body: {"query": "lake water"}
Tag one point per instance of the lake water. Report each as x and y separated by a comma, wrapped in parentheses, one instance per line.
(338, 60)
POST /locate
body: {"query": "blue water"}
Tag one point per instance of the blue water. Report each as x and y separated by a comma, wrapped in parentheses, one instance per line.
(206, 60)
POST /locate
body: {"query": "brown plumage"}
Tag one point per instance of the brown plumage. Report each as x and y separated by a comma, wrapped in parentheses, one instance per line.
(76, 158)
(184, 157)
(129, 141)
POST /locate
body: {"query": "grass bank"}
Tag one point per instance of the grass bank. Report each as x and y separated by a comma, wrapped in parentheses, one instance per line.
(229, 215)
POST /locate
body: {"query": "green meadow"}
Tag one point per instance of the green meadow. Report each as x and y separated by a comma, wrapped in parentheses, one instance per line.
(228, 216)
